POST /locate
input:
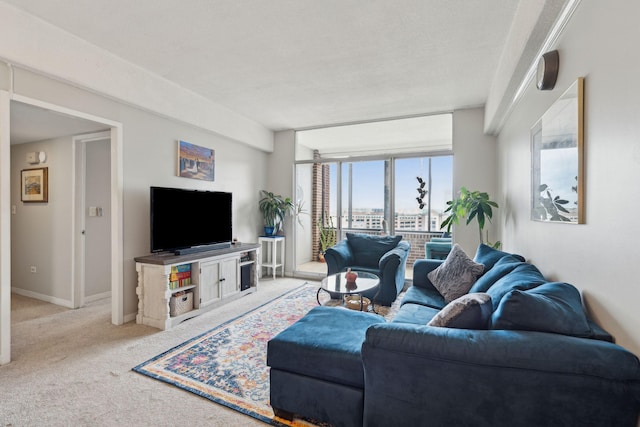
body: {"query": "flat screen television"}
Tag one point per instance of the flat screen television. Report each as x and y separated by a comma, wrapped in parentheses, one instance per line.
(185, 221)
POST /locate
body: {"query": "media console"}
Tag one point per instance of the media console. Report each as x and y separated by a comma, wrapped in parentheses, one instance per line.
(174, 288)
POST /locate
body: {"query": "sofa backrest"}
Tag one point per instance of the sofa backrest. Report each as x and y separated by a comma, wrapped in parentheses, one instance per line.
(368, 249)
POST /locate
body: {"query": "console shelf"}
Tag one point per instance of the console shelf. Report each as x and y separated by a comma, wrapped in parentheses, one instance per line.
(216, 277)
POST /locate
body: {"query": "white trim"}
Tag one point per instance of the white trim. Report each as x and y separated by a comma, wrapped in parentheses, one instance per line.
(42, 297)
(5, 228)
(117, 228)
(97, 297)
(78, 171)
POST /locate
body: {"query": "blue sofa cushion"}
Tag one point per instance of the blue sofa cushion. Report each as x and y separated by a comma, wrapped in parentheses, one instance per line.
(488, 256)
(470, 311)
(551, 307)
(324, 344)
(525, 276)
(367, 249)
(504, 266)
(455, 276)
(429, 297)
(416, 314)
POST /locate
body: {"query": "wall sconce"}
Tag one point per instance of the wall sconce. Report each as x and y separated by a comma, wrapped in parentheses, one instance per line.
(36, 157)
(547, 73)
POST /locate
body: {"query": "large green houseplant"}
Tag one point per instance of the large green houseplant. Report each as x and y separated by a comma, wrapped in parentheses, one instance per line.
(274, 208)
(467, 206)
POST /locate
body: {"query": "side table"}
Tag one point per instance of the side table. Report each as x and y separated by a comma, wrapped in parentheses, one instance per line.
(271, 257)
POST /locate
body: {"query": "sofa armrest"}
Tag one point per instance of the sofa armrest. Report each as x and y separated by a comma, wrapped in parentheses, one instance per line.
(495, 377)
(422, 267)
(338, 257)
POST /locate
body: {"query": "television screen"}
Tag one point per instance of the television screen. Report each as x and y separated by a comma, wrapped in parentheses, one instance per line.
(189, 220)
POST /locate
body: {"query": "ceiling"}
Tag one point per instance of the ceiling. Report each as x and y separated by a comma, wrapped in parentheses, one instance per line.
(294, 64)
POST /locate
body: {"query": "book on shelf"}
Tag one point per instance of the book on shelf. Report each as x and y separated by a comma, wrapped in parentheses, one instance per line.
(180, 268)
(180, 275)
(175, 284)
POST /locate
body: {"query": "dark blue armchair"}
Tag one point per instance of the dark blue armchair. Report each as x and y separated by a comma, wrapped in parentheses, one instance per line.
(385, 256)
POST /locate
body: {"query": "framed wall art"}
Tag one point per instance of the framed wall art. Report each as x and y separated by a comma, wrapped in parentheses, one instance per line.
(557, 153)
(34, 185)
(196, 162)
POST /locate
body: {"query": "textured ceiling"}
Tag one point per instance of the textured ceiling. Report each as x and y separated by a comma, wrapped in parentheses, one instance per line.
(291, 64)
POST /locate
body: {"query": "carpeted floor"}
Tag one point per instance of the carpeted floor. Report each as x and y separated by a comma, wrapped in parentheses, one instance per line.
(227, 364)
(73, 367)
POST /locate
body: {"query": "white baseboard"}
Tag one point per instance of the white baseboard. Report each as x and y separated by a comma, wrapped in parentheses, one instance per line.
(43, 297)
(130, 317)
(96, 297)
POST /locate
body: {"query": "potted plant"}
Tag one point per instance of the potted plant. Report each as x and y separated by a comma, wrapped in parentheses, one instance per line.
(274, 208)
(470, 205)
(328, 236)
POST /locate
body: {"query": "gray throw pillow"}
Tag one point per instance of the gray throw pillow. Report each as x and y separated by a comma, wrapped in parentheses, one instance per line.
(455, 276)
(470, 311)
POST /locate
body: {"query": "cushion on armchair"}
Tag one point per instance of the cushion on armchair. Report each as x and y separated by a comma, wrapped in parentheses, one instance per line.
(367, 249)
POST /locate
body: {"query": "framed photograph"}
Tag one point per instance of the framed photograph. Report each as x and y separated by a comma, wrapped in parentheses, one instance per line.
(196, 162)
(34, 185)
(557, 152)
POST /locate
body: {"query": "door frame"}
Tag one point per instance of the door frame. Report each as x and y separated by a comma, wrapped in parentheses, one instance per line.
(117, 234)
(79, 143)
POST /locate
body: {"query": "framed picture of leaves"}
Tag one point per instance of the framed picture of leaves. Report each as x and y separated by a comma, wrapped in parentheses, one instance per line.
(557, 156)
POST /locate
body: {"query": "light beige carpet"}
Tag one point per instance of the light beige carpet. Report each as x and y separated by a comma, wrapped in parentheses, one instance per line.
(73, 367)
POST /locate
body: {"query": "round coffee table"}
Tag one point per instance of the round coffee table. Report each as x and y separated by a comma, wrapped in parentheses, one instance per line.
(337, 284)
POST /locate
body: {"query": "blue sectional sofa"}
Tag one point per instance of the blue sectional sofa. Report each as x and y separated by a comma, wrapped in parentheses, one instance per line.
(521, 352)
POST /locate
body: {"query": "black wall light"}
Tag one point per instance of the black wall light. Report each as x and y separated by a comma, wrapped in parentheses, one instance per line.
(548, 66)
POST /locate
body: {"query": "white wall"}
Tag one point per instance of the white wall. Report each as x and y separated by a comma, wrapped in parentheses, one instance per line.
(601, 256)
(41, 233)
(149, 151)
(281, 181)
(474, 167)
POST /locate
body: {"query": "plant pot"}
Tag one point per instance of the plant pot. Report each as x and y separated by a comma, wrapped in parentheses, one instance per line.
(269, 231)
(321, 257)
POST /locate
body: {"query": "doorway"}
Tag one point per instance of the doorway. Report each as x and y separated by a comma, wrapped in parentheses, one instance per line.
(92, 249)
(114, 153)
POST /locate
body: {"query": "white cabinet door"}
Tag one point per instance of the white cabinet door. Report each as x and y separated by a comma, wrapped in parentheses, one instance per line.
(209, 282)
(229, 276)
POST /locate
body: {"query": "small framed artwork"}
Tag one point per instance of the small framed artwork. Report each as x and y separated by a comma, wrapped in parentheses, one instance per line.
(557, 152)
(196, 162)
(34, 185)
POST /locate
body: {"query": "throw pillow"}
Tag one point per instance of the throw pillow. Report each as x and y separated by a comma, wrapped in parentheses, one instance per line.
(455, 276)
(504, 266)
(368, 249)
(471, 311)
(551, 307)
(488, 256)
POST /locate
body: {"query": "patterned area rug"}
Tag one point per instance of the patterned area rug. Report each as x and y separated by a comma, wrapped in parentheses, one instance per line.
(227, 365)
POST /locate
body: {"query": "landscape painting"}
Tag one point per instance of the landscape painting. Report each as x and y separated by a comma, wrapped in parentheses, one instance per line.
(195, 162)
(34, 185)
